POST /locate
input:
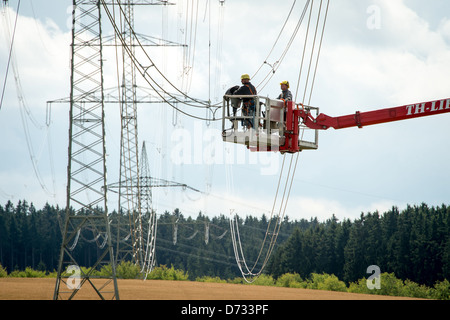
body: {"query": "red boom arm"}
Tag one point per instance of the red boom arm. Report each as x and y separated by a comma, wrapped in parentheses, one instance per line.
(362, 119)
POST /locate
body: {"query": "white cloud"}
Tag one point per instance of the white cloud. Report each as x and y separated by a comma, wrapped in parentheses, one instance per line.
(256, 204)
(405, 61)
(323, 208)
(39, 65)
(402, 62)
(41, 50)
(444, 29)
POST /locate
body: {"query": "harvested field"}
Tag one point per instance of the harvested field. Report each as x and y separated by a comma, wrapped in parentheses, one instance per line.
(42, 289)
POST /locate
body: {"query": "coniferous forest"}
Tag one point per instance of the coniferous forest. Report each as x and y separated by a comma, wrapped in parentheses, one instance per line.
(413, 243)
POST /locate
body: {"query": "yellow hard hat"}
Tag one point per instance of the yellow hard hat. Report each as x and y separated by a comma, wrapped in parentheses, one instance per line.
(245, 76)
(286, 83)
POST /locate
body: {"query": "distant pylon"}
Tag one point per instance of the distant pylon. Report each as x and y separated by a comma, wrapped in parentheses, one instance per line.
(148, 218)
(129, 233)
(148, 214)
(130, 241)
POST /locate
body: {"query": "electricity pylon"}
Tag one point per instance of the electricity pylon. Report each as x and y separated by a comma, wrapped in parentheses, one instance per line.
(149, 215)
(130, 241)
(86, 205)
(87, 212)
(128, 236)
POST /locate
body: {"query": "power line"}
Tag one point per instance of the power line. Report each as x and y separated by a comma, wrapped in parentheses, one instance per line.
(277, 64)
(277, 39)
(247, 272)
(144, 70)
(5, 2)
(26, 113)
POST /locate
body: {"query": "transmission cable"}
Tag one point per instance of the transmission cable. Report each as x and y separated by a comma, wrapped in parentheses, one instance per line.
(25, 111)
(275, 67)
(277, 39)
(10, 51)
(152, 64)
(237, 245)
(144, 72)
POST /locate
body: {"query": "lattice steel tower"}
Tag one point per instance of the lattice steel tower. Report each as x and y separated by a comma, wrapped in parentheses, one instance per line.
(145, 196)
(86, 207)
(87, 216)
(131, 244)
(128, 238)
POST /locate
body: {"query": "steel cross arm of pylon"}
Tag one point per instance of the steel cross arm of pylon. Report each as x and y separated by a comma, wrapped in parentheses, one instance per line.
(363, 119)
(133, 3)
(145, 41)
(144, 96)
(158, 183)
(153, 183)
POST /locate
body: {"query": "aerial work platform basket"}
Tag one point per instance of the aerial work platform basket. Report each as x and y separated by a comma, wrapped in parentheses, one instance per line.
(267, 125)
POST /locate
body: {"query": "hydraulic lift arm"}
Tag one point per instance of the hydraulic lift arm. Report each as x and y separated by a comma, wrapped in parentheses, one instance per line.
(362, 119)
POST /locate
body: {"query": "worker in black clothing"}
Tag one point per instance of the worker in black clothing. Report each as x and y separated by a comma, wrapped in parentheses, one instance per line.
(247, 89)
(249, 107)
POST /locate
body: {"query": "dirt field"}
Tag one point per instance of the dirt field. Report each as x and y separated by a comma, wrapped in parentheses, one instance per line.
(42, 289)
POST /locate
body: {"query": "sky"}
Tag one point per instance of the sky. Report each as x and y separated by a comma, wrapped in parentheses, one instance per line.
(375, 54)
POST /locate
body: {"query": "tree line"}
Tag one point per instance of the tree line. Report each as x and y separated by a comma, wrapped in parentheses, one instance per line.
(413, 243)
